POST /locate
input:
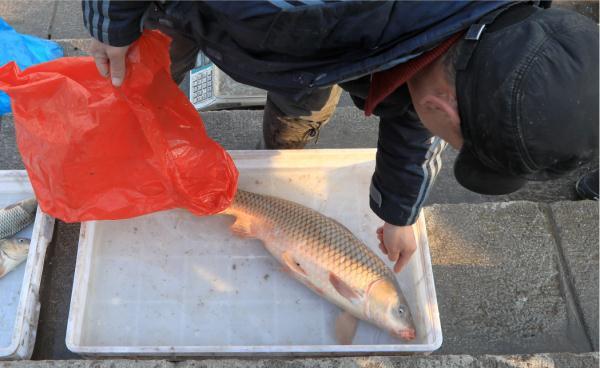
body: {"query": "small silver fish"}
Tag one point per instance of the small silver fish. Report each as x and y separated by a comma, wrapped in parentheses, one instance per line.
(12, 253)
(16, 217)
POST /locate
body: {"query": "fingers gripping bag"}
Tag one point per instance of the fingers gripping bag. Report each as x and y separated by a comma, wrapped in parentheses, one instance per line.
(97, 152)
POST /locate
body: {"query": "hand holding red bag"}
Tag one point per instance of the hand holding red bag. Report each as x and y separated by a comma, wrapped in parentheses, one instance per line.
(97, 152)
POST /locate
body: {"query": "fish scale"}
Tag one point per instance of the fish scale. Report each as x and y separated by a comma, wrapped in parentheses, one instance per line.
(325, 256)
(325, 240)
(16, 217)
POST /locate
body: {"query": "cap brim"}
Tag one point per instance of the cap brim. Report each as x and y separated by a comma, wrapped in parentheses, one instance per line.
(476, 177)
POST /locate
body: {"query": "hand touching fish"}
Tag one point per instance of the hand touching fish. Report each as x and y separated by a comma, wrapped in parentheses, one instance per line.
(398, 243)
(326, 257)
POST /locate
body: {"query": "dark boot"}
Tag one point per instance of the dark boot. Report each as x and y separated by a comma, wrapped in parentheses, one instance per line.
(284, 132)
(290, 123)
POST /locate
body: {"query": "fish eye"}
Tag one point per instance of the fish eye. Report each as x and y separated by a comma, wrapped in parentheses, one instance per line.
(401, 310)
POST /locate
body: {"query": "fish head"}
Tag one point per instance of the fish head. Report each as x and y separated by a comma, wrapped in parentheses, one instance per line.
(15, 248)
(388, 309)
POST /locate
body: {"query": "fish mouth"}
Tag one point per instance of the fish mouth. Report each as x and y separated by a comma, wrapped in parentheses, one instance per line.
(407, 334)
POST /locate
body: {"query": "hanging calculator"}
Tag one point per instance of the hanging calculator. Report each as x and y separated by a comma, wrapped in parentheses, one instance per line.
(201, 83)
(211, 89)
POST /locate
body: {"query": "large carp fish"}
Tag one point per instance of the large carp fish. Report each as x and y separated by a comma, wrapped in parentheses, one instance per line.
(326, 257)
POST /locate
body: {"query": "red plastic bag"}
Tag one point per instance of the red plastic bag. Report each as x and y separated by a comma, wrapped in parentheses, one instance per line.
(96, 152)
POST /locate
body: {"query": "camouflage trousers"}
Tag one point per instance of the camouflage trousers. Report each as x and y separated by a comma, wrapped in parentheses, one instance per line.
(290, 124)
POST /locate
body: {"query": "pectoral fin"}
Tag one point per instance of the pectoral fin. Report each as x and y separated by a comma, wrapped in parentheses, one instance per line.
(343, 288)
(291, 264)
(345, 328)
(242, 227)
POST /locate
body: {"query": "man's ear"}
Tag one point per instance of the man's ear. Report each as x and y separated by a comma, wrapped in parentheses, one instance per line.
(441, 105)
(442, 118)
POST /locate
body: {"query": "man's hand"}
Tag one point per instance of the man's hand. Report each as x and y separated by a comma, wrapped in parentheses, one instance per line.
(110, 61)
(398, 243)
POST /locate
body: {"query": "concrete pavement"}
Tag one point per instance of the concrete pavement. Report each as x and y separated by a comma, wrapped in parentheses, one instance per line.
(511, 277)
(499, 282)
(577, 236)
(45, 19)
(560, 360)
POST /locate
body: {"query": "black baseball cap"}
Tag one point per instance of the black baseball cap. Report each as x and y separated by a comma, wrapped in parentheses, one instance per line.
(527, 90)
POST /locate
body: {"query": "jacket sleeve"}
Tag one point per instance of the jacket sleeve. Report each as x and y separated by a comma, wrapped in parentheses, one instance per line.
(117, 23)
(408, 160)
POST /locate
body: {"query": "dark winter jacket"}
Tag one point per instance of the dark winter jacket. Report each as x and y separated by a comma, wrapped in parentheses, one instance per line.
(293, 46)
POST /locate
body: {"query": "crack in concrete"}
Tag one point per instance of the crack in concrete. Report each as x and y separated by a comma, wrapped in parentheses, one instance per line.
(566, 280)
(52, 17)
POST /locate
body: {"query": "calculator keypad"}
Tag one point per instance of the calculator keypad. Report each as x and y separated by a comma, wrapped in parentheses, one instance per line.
(201, 85)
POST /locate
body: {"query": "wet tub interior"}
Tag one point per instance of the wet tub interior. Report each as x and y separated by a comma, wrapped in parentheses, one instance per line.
(12, 283)
(19, 289)
(175, 283)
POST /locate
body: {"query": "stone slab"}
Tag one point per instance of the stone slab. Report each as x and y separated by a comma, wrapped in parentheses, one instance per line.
(10, 159)
(497, 279)
(75, 46)
(563, 360)
(242, 129)
(447, 190)
(577, 229)
(28, 16)
(68, 21)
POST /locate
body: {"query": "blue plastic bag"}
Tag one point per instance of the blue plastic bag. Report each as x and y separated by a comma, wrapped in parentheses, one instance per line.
(25, 50)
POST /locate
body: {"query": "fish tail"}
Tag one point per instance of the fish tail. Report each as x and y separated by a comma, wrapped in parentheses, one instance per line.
(236, 205)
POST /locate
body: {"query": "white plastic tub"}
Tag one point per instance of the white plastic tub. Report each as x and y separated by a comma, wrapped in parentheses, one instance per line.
(19, 289)
(173, 284)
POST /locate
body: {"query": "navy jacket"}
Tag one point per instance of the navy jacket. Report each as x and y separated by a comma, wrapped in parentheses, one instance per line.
(293, 46)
